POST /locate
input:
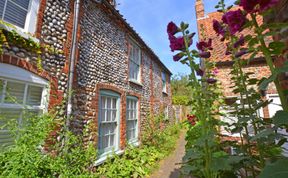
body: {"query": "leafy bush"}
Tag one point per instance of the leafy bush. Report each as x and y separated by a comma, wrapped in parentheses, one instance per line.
(28, 158)
(139, 162)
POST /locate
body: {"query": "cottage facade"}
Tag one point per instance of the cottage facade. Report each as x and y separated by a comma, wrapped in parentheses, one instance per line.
(117, 81)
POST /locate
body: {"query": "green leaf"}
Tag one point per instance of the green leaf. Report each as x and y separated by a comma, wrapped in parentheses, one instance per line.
(274, 25)
(263, 134)
(278, 169)
(191, 155)
(280, 118)
(277, 47)
(265, 82)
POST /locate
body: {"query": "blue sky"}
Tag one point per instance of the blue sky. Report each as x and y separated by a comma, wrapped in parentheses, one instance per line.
(150, 17)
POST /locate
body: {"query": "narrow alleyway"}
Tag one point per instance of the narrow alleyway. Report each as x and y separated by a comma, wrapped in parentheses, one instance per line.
(169, 167)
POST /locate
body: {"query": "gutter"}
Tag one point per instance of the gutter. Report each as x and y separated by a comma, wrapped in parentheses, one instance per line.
(72, 61)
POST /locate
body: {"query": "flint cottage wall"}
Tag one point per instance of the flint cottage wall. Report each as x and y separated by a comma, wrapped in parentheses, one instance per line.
(102, 62)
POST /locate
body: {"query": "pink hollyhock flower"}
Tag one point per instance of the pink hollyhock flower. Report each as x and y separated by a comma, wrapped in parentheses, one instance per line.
(176, 43)
(177, 57)
(215, 71)
(218, 28)
(203, 45)
(172, 28)
(240, 42)
(200, 72)
(235, 20)
(205, 54)
(266, 4)
(249, 5)
(211, 80)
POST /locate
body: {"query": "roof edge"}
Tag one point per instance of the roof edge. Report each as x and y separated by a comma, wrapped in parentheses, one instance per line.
(135, 34)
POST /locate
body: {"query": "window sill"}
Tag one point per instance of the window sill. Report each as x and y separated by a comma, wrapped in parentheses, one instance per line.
(103, 158)
(19, 32)
(134, 143)
(135, 82)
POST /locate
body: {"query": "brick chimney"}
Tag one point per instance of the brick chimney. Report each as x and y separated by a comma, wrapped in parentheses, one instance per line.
(199, 7)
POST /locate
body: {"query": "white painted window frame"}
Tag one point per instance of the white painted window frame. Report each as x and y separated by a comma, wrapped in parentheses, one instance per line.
(133, 44)
(31, 17)
(135, 140)
(104, 153)
(22, 76)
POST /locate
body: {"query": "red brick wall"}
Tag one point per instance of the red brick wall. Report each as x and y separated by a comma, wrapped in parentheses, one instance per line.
(55, 96)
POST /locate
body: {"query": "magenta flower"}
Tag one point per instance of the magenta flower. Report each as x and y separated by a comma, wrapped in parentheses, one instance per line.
(177, 57)
(252, 6)
(205, 54)
(235, 20)
(266, 4)
(249, 5)
(200, 72)
(211, 80)
(172, 28)
(203, 45)
(240, 42)
(218, 28)
(215, 71)
(176, 43)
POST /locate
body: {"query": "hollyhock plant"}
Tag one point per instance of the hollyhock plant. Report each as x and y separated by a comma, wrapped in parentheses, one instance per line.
(240, 42)
(211, 80)
(235, 20)
(177, 57)
(248, 5)
(241, 52)
(215, 71)
(203, 45)
(172, 28)
(200, 72)
(218, 28)
(252, 6)
(176, 43)
(266, 4)
(205, 54)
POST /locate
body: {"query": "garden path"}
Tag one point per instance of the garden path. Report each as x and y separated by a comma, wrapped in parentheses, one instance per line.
(169, 167)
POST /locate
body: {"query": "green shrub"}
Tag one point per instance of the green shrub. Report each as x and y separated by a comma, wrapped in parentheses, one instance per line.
(139, 162)
(27, 157)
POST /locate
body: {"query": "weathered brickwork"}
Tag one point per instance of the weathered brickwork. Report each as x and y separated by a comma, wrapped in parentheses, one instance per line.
(102, 63)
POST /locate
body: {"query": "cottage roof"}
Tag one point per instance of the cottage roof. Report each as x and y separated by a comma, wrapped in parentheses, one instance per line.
(133, 33)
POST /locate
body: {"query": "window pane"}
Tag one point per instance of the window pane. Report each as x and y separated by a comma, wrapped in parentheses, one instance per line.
(34, 95)
(108, 116)
(114, 115)
(14, 93)
(6, 115)
(112, 140)
(105, 141)
(15, 14)
(103, 100)
(114, 103)
(2, 4)
(108, 106)
(22, 3)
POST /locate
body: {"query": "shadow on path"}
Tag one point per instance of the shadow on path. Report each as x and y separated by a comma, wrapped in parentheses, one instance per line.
(169, 167)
